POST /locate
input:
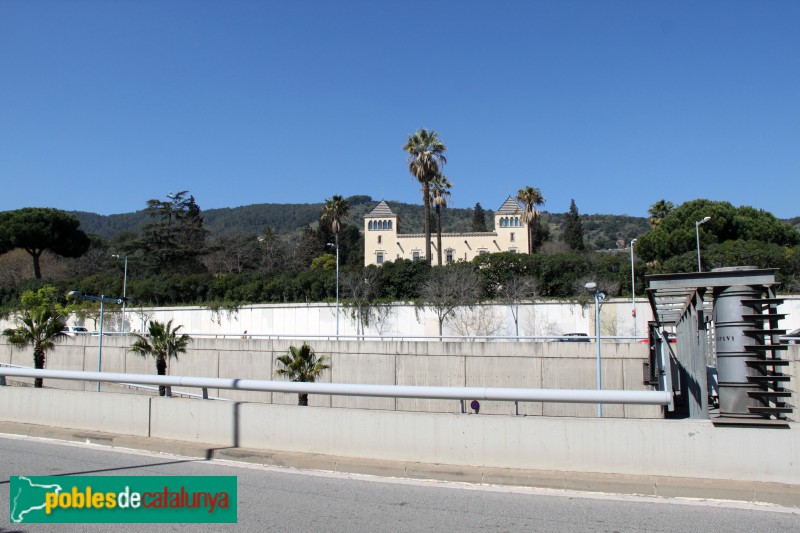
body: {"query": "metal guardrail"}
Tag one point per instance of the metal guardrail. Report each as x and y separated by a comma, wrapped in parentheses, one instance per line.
(342, 389)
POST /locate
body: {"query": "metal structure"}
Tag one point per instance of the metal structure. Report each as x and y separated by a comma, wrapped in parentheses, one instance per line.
(103, 299)
(599, 296)
(728, 319)
(344, 389)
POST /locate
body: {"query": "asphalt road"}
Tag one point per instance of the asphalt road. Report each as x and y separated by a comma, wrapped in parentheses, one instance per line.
(272, 499)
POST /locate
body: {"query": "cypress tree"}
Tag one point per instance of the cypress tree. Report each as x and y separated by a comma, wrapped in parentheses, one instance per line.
(478, 219)
(573, 229)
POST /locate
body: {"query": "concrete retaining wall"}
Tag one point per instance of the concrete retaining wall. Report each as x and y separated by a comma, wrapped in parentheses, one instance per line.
(458, 364)
(694, 449)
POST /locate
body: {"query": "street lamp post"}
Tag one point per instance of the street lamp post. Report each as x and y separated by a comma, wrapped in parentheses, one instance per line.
(337, 282)
(77, 295)
(599, 296)
(124, 289)
(633, 290)
(697, 234)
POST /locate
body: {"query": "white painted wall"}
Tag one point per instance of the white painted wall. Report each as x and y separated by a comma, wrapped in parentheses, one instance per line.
(541, 318)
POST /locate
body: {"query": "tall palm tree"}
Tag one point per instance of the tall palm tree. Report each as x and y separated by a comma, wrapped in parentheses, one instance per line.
(301, 364)
(162, 342)
(530, 198)
(335, 211)
(40, 327)
(440, 190)
(658, 211)
(425, 160)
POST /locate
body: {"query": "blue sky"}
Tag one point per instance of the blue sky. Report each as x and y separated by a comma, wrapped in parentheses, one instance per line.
(617, 104)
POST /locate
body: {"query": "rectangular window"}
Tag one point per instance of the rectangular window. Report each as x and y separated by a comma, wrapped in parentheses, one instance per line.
(483, 252)
(513, 250)
(415, 256)
(449, 256)
(379, 258)
(512, 236)
(380, 239)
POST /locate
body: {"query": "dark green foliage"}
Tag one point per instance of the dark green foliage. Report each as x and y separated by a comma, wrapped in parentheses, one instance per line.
(573, 230)
(175, 239)
(478, 219)
(496, 269)
(401, 279)
(40, 324)
(38, 229)
(675, 234)
(541, 233)
(358, 199)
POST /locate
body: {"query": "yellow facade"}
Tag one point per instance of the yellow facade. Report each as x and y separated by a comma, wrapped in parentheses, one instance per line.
(383, 242)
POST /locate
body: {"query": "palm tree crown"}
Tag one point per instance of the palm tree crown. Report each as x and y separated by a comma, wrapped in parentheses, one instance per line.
(335, 211)
(425, 160)
(301, 364)
(658, 211)
(163, 343)
(530, 198)
(39, 327)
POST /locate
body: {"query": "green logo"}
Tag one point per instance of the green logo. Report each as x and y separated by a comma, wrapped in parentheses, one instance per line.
(125, 499)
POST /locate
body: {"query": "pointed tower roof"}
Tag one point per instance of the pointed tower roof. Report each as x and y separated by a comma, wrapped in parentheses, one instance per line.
(509, 207)
(381, 210)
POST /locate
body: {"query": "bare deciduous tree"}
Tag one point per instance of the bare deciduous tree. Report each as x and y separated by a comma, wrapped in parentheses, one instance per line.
(478, 321)
(448, 288)
(360, 287)
(514, 291)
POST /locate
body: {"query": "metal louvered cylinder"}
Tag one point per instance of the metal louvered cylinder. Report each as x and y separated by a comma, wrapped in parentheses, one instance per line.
(735, 340)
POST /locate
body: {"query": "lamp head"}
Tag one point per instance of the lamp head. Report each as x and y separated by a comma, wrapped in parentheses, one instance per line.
(74, 295)
(591, 287)
(633, 241)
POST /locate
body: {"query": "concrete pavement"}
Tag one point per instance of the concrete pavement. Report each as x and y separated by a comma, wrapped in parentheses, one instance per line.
(787, 495)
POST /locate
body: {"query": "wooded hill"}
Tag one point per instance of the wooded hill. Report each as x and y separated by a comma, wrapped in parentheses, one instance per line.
(600, 231)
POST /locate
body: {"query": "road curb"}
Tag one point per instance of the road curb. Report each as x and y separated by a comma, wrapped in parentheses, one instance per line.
(785, 495)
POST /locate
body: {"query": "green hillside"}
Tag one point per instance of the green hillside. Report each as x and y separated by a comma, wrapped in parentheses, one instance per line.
(600, 231)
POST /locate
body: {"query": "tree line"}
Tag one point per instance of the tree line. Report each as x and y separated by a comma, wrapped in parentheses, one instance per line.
(173, 259)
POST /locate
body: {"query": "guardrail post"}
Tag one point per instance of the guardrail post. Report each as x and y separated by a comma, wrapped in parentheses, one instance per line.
(516, 408)
(205, 393)
(463, 407)
(168, 390)
(2, 381)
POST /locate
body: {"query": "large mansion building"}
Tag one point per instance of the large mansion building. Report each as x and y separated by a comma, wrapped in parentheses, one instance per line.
(383, 242)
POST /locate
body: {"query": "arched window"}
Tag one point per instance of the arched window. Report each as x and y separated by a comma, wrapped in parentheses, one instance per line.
(516, 222)
(370, 225)
(502, 222)
(390, 224)
(385, 225)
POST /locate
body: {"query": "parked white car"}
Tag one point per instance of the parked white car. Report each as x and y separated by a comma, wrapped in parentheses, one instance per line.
(74, 331)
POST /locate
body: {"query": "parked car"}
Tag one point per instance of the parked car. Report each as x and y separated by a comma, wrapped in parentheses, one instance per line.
(574, 337)
(793, 337)
(74, 331)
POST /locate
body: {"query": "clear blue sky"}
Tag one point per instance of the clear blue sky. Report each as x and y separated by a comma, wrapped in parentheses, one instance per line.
(617, 104)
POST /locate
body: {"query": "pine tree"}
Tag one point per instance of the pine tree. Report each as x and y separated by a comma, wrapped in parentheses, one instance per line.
(573, 229)
(478, 219)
